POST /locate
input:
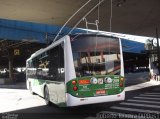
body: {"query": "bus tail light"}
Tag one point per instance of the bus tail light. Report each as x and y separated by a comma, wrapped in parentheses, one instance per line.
(74, 82)
(122, 79)
(121, 82)
(75, 88)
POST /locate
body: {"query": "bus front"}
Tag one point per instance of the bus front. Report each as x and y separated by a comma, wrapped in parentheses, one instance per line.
(99, 73)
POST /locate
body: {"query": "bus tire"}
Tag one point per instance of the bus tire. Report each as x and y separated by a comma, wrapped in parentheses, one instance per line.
(46, 96)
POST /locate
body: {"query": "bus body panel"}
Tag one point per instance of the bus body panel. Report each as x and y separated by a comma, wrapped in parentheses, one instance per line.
(74, 101)
(57, 96)
(69, 66)
(122, 61)
(89, 91)
(38, 85)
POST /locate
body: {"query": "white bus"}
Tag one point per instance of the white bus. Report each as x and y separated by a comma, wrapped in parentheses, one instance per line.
(78, 70)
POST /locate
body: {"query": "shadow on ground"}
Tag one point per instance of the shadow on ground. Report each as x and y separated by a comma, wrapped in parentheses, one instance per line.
(55, 112)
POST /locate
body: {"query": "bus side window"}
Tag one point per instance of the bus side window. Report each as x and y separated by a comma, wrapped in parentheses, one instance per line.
(34, 65)
(53, 65)
(56, 63)
(61, 63)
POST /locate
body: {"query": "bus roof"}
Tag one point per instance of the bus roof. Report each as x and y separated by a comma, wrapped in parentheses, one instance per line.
(47, 48)
(62, 39)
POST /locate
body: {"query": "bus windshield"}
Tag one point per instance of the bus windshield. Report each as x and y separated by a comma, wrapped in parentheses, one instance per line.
(95, 55)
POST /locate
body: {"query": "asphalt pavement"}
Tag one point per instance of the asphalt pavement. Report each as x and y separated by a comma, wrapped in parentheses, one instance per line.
(136, 78)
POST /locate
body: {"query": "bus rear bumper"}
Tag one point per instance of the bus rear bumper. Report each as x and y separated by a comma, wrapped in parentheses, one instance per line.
(74, 101)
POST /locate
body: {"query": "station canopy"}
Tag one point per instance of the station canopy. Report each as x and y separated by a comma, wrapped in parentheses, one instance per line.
(136, 17)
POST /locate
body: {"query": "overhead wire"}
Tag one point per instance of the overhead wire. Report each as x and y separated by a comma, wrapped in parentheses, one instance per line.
(86, 15)
(110, 27)
(95, 50)
(110, 21)
(70, 19)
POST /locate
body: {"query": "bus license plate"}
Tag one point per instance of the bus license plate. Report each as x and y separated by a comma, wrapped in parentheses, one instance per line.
(100, 92)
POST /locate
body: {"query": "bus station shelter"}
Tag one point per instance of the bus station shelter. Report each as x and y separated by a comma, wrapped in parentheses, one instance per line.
(26, 26)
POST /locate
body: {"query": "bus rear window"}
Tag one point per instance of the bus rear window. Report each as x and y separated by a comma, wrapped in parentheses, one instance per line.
(96, 55)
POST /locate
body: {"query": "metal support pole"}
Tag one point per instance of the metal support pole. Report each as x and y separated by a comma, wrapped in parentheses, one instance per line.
(152, 56)
(10, 65)
(158, 49)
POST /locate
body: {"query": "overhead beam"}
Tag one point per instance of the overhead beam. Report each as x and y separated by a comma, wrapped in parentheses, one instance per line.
(22, 31)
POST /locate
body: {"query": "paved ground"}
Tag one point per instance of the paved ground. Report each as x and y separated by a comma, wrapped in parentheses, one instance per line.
(142, 101)
(19, 85)
(16, 99)
(136, 78)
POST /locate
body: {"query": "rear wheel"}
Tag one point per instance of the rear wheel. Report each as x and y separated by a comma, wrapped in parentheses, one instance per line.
(46, 96)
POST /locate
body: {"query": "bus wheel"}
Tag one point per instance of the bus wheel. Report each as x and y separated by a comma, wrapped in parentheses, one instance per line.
(46, 96)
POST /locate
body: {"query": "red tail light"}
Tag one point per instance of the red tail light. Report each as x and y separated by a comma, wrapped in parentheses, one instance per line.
(74, 82)
(121, 82)
(75, 88)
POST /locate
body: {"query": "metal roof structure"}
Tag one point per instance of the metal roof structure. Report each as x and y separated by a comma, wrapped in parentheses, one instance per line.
(25, 25)
(133, 46)
(31, 22)
(28, 31)
(136, 17)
